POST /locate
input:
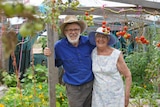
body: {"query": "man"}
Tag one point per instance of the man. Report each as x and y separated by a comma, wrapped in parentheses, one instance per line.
(74, 53)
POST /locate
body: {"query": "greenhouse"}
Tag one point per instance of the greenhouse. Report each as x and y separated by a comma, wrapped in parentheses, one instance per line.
(28, 77)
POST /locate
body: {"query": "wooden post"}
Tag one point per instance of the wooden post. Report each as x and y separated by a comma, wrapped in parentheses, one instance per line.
(52, 70)
(0, 52)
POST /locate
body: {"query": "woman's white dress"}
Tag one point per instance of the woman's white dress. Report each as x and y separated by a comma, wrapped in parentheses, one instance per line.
(108, 88)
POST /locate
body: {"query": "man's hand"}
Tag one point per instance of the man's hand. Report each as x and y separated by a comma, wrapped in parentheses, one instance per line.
(47, 51)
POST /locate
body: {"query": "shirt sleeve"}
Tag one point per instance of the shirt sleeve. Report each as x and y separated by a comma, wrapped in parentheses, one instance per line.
(58, 63)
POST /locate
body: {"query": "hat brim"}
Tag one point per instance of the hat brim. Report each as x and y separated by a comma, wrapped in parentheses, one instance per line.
(111, 42)
(82, 24)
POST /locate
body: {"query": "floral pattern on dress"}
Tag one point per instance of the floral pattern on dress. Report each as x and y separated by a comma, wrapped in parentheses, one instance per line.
(108, 88)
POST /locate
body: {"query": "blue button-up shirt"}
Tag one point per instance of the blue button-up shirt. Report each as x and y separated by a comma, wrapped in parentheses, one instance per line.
(76, 61)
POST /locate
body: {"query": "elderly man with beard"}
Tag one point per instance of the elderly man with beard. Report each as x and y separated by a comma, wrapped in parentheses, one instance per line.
(73, 53)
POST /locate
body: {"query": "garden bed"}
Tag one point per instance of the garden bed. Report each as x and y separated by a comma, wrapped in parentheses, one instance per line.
(141, 103)
(3, 89)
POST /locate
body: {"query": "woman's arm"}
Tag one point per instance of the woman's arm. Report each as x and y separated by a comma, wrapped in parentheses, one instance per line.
(124, 70)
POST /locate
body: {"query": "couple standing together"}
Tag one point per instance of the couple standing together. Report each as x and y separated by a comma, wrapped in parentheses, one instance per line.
(92, 68)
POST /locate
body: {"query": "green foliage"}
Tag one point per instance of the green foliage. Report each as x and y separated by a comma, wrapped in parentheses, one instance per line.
(43, 41)
(138, 91)
(33, 95)
(153, 69)
(144, 64)
(9, 100)
(61, 95)
(37, 74)
(143, 97)
(137, 62)
(34, 91)
(1, 76)
(9, 79)
(53, 10)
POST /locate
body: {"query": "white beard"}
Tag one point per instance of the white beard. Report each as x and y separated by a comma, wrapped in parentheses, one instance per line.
(76, 40)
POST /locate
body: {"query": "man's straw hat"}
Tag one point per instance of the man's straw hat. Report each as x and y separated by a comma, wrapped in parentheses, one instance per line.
(73, 19)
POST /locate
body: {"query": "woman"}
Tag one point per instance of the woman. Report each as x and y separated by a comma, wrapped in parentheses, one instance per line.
(108, 65)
